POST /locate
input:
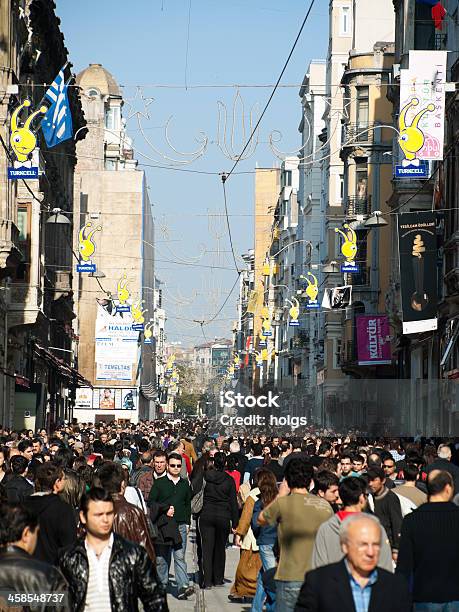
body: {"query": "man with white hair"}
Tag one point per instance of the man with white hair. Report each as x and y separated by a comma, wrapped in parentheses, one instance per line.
(355, 584)
(443, 462)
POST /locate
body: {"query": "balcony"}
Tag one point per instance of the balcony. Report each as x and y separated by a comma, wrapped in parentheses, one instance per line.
(357, 205)
(9, 242)
(25, 304)
(62, 283)
(361, 278)
(358, 133)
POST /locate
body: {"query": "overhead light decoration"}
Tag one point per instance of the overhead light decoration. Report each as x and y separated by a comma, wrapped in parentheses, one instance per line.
(87, 247)
(348, 248)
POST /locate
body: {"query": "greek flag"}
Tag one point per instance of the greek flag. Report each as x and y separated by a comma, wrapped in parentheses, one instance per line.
(57, 123)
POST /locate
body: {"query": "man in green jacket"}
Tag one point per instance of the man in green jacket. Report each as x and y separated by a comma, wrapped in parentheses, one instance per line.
(172, 495)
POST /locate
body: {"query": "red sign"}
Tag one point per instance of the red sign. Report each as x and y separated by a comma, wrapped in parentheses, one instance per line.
(373, 340)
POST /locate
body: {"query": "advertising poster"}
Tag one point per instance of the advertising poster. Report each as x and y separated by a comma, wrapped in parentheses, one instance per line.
(114, 371)
(220, 357)
(129, 399)
(417, 240)
(337, 298)
(373, 343)
(421, 121)
(115, 339)
(107, 398)
(83, 397)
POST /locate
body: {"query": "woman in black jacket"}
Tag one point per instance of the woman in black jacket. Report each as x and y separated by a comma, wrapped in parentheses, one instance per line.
(219, 513)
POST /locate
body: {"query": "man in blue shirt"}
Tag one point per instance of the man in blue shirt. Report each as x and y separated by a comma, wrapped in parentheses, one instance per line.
(355, 584)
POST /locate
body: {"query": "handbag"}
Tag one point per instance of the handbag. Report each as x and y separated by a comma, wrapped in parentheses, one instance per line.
(197, 501)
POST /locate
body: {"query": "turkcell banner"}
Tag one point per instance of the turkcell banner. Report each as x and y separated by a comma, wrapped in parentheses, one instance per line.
(417, 241)
(422, 108)
(373, 340)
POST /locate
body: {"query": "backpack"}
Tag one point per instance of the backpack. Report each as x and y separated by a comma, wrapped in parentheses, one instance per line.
(145, 482)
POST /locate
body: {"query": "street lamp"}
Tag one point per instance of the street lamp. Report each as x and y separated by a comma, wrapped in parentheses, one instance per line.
(57, 218)
(97, 274)
(331, 268)
(375, 220)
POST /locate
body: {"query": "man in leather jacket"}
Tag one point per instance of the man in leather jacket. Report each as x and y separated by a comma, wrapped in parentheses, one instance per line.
(129, 522)
(19, 571)
(105, 572)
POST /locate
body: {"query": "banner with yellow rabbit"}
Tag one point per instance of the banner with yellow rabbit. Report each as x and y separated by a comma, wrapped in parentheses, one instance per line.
(87, 247)
(421, 120)
(23, 141)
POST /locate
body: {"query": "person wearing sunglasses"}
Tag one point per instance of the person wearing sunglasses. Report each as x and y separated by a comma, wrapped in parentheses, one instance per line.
(170, 502)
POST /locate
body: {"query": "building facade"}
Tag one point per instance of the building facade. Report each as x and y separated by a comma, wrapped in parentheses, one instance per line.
(115, 304)
(38, 379)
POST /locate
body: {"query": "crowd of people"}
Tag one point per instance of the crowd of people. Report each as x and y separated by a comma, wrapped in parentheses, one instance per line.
(95, 514)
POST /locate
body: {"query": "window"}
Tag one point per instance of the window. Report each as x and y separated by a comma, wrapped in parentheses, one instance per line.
(337, 355)
(286, 179)
(361, 182)
(362, 113)
(345, 21)
(341, 187)
(110, 118)
(92, 93)
(110, 164)
(424, 29)
(24, 219)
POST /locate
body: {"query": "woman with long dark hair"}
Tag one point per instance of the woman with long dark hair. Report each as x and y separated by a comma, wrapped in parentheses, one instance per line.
(266, 536)
(219, 512)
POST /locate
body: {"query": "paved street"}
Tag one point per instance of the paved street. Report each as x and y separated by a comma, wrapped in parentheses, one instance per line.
(216, 598)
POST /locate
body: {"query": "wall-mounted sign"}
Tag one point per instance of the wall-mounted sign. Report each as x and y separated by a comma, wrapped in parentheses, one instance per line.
(123, 294)
(87, 247)
(373, 340)
(148, 333)
(312, 291)
(294, 312)
(116, 349)
(421, 121)
(114, 371)
(348, 248)
(23, 142)
(337, 298)
(417, 240)
(137, 313)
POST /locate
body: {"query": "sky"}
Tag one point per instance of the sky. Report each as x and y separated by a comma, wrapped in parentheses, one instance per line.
(182, 44)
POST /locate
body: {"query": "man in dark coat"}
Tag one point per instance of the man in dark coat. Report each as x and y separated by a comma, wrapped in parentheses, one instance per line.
(355, 584)
(19, 571)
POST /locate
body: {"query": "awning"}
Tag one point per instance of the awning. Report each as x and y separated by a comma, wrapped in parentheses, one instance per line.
(149, 391)
(452, 341)
(64, 369)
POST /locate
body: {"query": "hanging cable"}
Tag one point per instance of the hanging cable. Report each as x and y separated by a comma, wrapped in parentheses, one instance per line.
(224, 177)
(273, 91)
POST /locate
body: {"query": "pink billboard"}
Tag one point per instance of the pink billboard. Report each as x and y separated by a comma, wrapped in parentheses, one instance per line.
(373, 342)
